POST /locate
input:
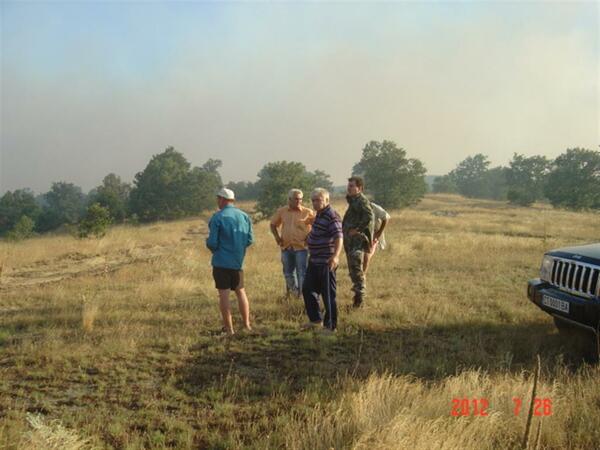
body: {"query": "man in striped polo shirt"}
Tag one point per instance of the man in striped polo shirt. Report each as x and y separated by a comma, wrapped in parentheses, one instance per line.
(325, 242)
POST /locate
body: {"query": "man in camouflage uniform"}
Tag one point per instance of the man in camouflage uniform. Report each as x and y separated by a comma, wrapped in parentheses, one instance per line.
(358, 235)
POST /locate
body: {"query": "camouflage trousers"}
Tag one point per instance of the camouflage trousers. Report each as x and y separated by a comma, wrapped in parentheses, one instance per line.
(354, 254)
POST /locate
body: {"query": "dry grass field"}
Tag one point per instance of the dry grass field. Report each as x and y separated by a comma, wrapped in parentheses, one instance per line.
(112, 343)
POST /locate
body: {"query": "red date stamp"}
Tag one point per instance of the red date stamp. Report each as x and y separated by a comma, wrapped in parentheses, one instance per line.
(462, 407)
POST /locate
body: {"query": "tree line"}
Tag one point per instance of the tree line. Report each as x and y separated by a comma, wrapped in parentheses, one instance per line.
(572, 180)
(170, 188)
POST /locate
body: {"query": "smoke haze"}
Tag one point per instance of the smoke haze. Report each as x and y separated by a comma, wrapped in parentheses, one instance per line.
(89, 89)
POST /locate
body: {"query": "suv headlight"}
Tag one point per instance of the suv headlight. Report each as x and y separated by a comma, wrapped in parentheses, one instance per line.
(546, 269)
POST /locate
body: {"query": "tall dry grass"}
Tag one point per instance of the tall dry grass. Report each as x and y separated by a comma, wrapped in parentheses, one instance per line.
(51, 436)
(89, 311)
(404, 412)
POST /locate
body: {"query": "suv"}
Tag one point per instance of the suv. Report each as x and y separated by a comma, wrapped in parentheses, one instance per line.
(569, 287)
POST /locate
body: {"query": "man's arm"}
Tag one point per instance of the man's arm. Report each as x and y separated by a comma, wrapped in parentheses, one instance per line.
(250, 233)
(379, 232)
(275, 233)
(212, 242)
(276, 220)
(335, 230)
(310, 219)
(334, 261)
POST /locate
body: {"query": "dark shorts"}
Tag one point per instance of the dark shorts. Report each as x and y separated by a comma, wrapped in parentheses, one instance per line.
(228, 278)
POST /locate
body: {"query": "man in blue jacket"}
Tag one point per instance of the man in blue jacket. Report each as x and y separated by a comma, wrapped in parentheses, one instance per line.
(230, 233)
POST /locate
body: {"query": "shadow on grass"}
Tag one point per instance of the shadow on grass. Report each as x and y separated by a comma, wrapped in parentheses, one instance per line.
(288, 362)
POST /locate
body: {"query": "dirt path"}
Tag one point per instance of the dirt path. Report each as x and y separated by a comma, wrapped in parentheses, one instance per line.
(75, 264)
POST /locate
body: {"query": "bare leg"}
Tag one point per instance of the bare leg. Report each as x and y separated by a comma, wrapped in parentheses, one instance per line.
(225, 307)
(366, 259)
(244, 307)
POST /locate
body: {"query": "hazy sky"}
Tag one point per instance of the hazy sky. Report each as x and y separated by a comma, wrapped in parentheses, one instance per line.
(89, 88)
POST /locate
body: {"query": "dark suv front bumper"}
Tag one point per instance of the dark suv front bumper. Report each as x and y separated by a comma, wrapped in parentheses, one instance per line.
(583, 312)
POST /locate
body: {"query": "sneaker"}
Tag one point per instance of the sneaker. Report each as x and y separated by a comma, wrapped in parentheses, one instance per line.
(311, 325)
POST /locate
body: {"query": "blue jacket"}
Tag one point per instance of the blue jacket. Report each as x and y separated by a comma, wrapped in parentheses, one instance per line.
(230, 232)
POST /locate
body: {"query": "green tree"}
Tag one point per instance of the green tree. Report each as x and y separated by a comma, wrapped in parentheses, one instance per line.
(157, 190)
(63, 204)
(114, 195)
(96, 221)
(321, 179)
(244, 190)
(275, 180)
(15, 205)
(574, 181)
(445, 183)
(213, 166)
(23, 229)
(169, 188)
(394, 180)
(469, 176)
(202, 185)
(525, 178)
(494, 184)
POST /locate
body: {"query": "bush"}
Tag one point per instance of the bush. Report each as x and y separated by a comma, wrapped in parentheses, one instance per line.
(96, 221)
(444, 184)
(23, 229)
(114, 195)
(15, 205)
(521, 196)
(63, 204)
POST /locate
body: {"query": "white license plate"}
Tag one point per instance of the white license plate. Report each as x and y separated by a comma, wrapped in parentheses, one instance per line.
(554, 303)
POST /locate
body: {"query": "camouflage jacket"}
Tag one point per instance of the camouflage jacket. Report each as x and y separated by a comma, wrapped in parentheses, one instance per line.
(359, 215)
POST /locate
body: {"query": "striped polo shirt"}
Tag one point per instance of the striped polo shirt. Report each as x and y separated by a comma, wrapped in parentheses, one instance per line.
(326, 228)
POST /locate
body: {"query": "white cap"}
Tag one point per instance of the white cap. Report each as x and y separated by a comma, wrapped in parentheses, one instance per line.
(227, 194)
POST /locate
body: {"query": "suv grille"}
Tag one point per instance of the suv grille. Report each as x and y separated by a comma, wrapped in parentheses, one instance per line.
(575, 277)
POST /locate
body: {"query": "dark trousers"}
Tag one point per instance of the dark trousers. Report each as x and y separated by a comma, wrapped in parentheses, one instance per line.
(320, 281)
